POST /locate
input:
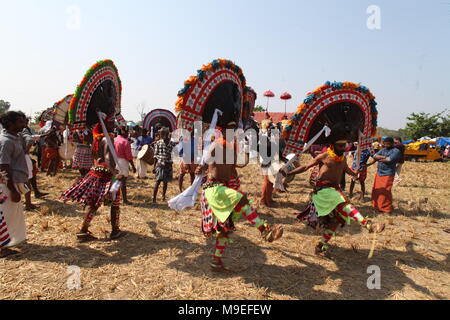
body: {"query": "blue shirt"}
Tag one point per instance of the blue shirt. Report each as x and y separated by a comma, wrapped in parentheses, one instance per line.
(365, 156)
(388, 169)
(141, 141)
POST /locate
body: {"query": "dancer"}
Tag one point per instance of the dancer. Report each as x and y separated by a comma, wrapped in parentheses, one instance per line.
(222, 202)
(328, 203)
(94, 189)
(334, 114)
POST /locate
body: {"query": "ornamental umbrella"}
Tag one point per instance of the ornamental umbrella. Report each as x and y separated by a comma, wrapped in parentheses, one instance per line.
(286, 96)
(268, 94)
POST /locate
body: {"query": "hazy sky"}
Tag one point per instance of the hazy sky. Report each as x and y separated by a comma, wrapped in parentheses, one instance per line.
(290, 45)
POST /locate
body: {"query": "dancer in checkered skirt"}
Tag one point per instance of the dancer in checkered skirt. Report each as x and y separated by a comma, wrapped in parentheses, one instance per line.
(94, 189)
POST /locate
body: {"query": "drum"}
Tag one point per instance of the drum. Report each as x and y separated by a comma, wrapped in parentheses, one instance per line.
(147, 155)
(67, 151)
(278, 165)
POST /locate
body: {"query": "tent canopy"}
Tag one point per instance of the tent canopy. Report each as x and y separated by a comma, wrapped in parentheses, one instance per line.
(443, 141)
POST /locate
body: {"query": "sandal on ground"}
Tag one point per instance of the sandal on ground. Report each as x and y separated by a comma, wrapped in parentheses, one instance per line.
(272, 233)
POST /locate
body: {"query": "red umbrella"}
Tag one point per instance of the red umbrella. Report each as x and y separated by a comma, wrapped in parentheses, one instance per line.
(268, 94)
(286, 96)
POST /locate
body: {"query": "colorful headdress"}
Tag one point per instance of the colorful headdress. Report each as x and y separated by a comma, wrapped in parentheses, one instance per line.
(345, 107)
(100, 90)
(164, 117)
(218, 85)
(46, 115)
(61, 110)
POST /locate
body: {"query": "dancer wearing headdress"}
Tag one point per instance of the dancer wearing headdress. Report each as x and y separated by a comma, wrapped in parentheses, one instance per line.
(221, 85)
(99, 92)
(349, 110)
(94, 189)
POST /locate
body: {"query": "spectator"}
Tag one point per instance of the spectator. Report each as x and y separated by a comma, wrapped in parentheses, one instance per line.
(388, 159)
(14, 166)
(142, 141)
(125, 159)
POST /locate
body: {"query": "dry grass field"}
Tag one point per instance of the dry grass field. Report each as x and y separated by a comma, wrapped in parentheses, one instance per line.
(165, 256)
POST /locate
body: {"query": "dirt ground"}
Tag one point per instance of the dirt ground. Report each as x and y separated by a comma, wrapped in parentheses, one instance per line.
(165, 256)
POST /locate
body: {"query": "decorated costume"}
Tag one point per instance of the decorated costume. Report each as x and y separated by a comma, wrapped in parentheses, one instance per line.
(349, 110)
(220, 85)
(100, 91)
(159, 118)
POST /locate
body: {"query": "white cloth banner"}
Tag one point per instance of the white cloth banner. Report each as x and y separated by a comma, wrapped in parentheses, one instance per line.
(279, 180)
(189, 197)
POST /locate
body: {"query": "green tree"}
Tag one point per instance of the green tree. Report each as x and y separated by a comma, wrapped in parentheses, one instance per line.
(4, 106)
(259, 109)
(427, 125)
(444, 125)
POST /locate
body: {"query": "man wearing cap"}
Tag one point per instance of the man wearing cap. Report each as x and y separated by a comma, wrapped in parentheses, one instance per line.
(329, 207)
(387, 159)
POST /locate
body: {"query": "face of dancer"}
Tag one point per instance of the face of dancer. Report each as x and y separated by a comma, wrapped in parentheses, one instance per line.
(339, 149)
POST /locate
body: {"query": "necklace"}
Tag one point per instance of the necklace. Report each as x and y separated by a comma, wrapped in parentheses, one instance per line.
(335, 156)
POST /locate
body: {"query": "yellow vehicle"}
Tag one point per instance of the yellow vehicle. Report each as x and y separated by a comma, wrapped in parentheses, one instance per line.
(424, 150)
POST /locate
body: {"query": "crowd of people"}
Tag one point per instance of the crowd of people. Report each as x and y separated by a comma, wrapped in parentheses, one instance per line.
(104, 172)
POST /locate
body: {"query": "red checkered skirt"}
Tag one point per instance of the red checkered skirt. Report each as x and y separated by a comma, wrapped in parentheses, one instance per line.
(92, 190)
(83, 158)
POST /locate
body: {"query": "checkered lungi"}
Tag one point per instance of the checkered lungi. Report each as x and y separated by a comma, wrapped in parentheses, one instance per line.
(93, 189)
(83, 158)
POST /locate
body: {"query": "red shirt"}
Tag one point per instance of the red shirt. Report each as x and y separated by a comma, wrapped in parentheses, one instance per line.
(123, 148)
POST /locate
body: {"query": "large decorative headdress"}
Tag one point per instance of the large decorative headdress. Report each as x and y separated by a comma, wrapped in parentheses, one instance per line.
(46, 115)
(348, 109)
(218, 85)
(100, 90)
(166, 118)
(61, 110)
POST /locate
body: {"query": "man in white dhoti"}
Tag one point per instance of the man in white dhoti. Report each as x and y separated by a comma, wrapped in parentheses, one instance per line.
(14, 165)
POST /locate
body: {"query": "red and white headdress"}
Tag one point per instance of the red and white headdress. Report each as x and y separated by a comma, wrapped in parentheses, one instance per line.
(100, 90)
(218, 85)
(348, 109)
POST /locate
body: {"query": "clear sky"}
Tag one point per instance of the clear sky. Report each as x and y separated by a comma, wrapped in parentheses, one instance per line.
(284, 45)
